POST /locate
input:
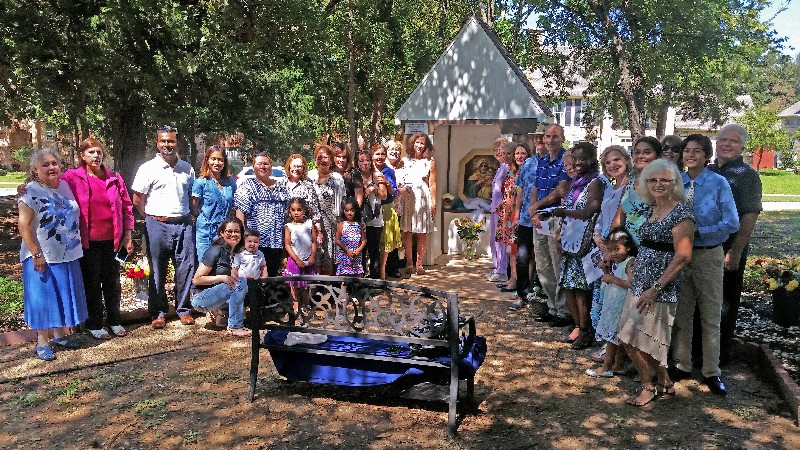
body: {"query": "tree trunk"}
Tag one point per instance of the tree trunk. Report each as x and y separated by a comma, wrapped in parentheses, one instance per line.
(128, 139)
(630, 81)
(663, 112)
(351, 81)
(376, 118)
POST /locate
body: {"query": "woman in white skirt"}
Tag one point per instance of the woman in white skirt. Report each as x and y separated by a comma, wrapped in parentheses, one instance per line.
(419, 198)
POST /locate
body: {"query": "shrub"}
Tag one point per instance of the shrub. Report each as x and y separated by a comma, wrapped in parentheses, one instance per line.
(10, 297)
(22, 155)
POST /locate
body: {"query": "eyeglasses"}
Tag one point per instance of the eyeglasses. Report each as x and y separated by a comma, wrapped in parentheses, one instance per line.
(661, 181)
(669, 148)
(231, 232)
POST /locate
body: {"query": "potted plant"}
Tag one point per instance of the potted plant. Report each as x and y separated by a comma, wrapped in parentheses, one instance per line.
(782, 279)
(469, 232)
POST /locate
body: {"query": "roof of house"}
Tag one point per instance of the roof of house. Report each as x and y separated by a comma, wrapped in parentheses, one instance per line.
(793, 110)
(474, 78)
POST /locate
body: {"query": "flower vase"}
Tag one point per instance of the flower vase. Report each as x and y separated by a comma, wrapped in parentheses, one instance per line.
(470, 252)
(786, 307)
(141, 285)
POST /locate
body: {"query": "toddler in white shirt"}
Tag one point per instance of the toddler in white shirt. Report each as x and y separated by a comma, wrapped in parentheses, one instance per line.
(249, 262)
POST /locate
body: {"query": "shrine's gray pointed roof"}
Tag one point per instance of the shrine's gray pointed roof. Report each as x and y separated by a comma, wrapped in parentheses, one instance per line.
(474, 78)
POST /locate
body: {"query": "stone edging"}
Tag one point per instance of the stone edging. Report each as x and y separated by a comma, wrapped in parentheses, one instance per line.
(761, 356)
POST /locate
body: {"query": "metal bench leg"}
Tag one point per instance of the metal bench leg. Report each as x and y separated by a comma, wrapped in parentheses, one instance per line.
(255, 348)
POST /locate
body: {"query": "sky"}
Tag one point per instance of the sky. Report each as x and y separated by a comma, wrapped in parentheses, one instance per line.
(787, 24)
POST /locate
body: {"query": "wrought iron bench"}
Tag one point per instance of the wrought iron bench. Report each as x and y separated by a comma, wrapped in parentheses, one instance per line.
(375, 332)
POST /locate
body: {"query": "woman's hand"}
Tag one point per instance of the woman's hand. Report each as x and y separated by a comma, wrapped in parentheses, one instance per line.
(647, 301)
(232, 282)
(39, 264)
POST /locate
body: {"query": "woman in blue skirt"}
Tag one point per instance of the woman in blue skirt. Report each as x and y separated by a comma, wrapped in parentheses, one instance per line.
(53, 296)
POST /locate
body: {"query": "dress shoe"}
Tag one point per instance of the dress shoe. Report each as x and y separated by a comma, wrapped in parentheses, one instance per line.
(158, 323)
(187, 319)
(561, 322)
(716, 385)
(676, 374)
(546, 317)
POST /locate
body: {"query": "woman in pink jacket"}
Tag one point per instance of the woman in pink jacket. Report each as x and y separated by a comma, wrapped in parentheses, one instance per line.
(106, 221)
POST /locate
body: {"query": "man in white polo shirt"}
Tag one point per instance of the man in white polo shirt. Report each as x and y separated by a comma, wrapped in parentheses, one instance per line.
(161, 193)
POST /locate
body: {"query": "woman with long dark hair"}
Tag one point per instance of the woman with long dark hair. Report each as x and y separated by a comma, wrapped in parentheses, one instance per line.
(213, 285)
(212, 197)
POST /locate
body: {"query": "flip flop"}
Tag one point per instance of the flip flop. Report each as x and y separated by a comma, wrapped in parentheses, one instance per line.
(119, 331)
(100, 334)
(65, 342)
(596, 374)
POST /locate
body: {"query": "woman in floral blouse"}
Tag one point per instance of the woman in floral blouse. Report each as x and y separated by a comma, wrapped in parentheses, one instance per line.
(54, 295)
(330, 190)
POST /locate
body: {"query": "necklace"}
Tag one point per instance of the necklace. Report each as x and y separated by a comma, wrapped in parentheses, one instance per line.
(660, 213)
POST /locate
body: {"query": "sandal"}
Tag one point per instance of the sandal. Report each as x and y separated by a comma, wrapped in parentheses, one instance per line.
(633, 400)
(100, 334)
(666, 391)
(584, 340)
(65, 342)
(119, 331)
(45, 353)
(239, 332)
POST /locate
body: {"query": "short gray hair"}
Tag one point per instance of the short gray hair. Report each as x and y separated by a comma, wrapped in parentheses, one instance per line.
(737, 128)
(37, 158)
(660, 165)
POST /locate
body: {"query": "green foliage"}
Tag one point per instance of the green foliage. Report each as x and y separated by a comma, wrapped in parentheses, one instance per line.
(764, 132)
(14, 177)
(11, 302)
(641, 57)
(22, 155)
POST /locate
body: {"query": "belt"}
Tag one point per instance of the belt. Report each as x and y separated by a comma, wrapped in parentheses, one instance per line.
(164, 219)
(658, 246)
(705, 247)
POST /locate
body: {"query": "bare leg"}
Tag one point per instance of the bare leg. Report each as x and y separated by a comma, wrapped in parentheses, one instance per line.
(42, 337)
(422, 242)
(609, 358)
(384, 256)
(572, 305)
(408, 239)
(512, 282)
(642, 362)
(582, 306)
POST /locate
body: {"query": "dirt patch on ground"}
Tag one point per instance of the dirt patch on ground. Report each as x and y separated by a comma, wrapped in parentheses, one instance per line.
(531, 393)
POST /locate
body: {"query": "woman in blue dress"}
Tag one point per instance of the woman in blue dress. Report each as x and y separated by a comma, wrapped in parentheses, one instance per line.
(212, 197)
(54, 297)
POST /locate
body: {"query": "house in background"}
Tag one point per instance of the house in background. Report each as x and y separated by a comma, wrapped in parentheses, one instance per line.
(790, 119)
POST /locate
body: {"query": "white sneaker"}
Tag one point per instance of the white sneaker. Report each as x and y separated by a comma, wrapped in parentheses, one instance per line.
(497, 277)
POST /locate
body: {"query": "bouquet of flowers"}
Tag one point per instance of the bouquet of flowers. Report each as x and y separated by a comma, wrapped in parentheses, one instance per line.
(469, 232)
(138, 273)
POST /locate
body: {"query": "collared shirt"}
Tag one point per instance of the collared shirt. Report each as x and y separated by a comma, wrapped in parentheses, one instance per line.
(714, 209)
(525, 182)
(167, 188)
(745, 185)
(549, 174)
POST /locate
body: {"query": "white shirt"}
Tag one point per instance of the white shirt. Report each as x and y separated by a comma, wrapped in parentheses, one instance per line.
(249, 264)
(167, 188)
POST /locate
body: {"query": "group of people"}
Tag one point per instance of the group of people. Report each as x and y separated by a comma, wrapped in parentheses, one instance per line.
(670, 231)
(339, 218)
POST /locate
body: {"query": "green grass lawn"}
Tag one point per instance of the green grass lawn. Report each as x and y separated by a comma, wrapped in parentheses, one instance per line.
(780, 182)
(14, 178)
(776, 235)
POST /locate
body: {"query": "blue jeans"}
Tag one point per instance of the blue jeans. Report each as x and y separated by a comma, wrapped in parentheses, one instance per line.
(217, 296)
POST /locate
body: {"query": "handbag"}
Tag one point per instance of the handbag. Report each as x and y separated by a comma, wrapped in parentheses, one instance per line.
(370, 208)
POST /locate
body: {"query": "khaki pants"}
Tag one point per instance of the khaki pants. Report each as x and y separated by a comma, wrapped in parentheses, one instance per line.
(702, 287)
(548, 267)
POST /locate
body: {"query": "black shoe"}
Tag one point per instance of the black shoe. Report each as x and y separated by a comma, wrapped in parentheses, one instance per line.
(716, 385)
(561, 322)
(546, 317)
(676, 374)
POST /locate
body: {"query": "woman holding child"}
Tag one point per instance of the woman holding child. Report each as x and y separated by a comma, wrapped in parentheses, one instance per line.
(213, 285)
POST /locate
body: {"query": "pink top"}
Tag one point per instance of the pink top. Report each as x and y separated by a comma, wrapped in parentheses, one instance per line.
(119, 201)
(100, 213)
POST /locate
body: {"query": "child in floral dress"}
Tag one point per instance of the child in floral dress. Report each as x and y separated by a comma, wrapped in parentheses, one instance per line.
(350, 237)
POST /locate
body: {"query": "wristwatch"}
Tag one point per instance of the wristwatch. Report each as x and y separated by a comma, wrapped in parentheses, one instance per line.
(38, 255)
(658, 287)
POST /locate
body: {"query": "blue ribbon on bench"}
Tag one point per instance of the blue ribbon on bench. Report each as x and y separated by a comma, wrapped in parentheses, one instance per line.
(330, 369)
